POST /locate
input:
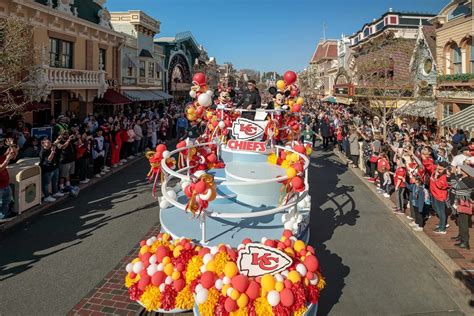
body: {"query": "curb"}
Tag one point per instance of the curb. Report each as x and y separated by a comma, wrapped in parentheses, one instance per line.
(30, 214)
(448, 264)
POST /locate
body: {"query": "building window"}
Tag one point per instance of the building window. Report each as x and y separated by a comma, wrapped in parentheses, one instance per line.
(461, 10)
(427, 66)
(379, 26)
(142, 69)
(102, 58)
(151, 69)
(130, 71)
(447, 109)
(457, 60)
(366, 32)
(471, 58)
(393, 20)
(60, 53)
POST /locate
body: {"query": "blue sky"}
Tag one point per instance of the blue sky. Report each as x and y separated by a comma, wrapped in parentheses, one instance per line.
(267, 35)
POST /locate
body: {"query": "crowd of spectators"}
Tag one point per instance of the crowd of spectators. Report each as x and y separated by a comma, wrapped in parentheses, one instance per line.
(425, 173)
(82, 148)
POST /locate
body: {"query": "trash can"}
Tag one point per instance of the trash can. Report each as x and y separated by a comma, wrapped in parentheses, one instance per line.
(25, 177)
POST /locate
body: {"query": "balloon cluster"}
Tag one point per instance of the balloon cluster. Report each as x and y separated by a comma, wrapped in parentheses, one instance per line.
(288, 83)
(155, 158)
(222, 290)
(201, 96)
(157, 277)
(200, 191)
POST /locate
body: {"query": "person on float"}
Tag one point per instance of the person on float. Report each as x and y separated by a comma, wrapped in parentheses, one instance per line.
(250, 100)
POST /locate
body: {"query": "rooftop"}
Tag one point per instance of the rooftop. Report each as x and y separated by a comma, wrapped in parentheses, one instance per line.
(326, 50)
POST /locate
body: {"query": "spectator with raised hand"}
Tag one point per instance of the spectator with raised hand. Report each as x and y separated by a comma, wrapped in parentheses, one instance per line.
(399, 179)
(463, 190)
(5, 190)
(439, 195)
(67, 158)
(98, 154)
(49, 163)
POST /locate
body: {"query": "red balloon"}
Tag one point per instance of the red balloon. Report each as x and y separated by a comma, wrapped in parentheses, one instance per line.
(200, 187)
(181, 144)
(161, 252)
(161, 148)
(288, 284)
(300, 149)
(208, 279)
(246, 241)
(230, 305)
(294, 93)
(270, 243)
(199, 110)
(199, 78)
(204, 251)
(296, 108)
(240, 283)
(287, 233)
(311, 263)
(188, 191)
(146, 259)
(297, 183)
(290, 77)
(179, 285)
(212, 158)
(298, 166)
(158, 278)
(145, 280)
(287, 298)
(253, 290)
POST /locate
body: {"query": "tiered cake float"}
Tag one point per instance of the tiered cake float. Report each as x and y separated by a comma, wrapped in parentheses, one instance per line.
(234, 212)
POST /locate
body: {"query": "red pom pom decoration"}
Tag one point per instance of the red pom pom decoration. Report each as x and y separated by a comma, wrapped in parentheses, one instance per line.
(179, 285)
(208, 279)
(287, 298)
(240, 283)
(158, 278)
(200, 187)
(230, 305)
(253, 290)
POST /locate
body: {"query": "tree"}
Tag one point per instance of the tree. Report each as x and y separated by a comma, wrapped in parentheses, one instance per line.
(382, 77)
(16, 64)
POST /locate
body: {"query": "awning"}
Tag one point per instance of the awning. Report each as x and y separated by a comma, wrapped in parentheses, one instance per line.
(422, 108)
(144, 95)
(19, 98)
(462, 120)
(329, 99)
(112, 97)
(163, 94)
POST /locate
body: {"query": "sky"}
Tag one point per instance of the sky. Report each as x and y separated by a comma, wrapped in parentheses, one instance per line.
(267, 35)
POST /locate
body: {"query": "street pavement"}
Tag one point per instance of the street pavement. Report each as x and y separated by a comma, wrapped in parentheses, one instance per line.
(373, 265)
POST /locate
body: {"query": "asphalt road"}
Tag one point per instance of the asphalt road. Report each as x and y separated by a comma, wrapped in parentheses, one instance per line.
(372, 263)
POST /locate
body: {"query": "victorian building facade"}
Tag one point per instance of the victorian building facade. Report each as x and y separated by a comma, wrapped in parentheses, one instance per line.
(323, 67)
(208, 66)
(141, 61)
(76, 51)
(455, 60)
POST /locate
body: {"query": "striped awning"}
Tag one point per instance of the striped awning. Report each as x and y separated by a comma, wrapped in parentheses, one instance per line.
(421, 108)
(461, 120)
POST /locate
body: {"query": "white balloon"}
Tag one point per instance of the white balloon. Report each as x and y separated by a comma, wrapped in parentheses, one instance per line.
(162, 287)
(288, 225)
(214, 250)
(168, 280)
(164, 204)
(201, 296)
(263, 240)
(278, 277)
(151, 269)
(160, 267)
(199, 173)
(210, 93)
(171, 194)
(129, 267)
(203, 269)
(198, 288)
(315, 279)
(226, 280)
(206, 196)
(229, 291)
(293, 238)
(207, 257)
(284, 218)
(273, 298)
(166, 154)
(219, 284)
(149, 242)
(205, 100)
(192, 94)
(284, 273)
(301, 269)
(221, 125)
(137, 267)
(152, 259)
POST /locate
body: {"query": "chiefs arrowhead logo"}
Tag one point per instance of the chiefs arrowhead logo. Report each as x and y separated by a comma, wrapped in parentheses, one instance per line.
(244, 129)
(256, 260)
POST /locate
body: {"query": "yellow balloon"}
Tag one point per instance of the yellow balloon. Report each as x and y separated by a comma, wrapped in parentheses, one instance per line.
(279, 286)
(268, 282)
(175, 275)
(299, 245)
(294, 276)
(211, 266)
(169, 269)
(234, 294)
(281, 85)
(243, 300)
(230, 269)
(300, 101)
(291, 102)
(291, 172)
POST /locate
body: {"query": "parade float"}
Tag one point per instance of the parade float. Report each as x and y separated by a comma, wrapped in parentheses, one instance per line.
(234, 213)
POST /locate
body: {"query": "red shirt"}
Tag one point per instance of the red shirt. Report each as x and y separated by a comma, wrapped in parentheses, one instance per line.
(383, 163)
(429, 165)
(400, 175)
(439, 187)
(4, 176)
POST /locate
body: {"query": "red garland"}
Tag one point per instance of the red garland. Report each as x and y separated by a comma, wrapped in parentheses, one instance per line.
(220, 307)
(251, 308)
(134, 292)
(184, 258)
(281, 310)
(300, 296)
(193, 285)
(168, 298)
(313, 294)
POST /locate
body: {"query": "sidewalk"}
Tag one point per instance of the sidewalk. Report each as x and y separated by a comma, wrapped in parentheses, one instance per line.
(31, 213)
(458, 262)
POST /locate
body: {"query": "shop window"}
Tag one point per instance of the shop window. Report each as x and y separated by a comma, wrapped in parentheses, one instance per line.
(60, 53)
(457, 60)
(102, 58)
(142, 69)
(447, 110)
(151, 69)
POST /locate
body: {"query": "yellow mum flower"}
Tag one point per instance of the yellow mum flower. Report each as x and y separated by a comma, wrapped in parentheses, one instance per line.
(185, 299)
(193, 269)
(207, 308)
(285, 164)
(158, 243)
(129, 281)
(221, 260)
(262, 307)
(240, 312)
(321, 282)
(301, 311)
(272, 158)
(151, 298)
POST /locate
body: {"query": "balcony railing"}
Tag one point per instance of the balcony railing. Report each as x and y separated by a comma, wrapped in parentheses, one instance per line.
(61, 78)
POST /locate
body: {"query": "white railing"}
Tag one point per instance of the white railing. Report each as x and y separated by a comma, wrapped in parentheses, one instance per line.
(72, 78)
(169, 174)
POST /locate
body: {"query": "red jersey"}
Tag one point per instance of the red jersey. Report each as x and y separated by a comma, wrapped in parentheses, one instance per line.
(4, 176)
(383, 163)
(439, 187)
(400, 176)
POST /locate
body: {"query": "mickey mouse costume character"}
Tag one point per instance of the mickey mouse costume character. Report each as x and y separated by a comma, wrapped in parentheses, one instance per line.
(278, 100)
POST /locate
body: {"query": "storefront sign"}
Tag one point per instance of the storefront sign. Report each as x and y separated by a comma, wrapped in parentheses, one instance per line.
(235, 144)
(40, 132)
(256, 260)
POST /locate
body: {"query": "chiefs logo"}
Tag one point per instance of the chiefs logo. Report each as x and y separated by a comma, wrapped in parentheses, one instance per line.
(256, 260)
(244, 129)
